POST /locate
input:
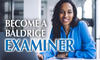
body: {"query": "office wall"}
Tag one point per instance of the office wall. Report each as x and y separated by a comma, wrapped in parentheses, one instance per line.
(98, 27)
(32, 9)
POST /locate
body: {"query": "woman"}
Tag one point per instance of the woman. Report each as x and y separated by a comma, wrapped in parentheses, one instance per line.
(67, 25)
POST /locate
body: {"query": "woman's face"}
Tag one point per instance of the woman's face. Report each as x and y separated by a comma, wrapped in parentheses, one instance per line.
(66, 13)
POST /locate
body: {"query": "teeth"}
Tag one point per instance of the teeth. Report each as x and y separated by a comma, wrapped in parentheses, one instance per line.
(66, 20)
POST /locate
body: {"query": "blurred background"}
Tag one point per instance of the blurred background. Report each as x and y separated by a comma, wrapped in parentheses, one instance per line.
(88, 10)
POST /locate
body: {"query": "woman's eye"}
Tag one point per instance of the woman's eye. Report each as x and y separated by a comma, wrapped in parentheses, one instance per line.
(69, 12)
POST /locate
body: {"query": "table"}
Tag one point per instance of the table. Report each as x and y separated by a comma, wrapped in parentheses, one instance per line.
(54, 58)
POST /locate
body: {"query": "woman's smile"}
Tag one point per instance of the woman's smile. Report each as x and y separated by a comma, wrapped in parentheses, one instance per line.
(65, 20)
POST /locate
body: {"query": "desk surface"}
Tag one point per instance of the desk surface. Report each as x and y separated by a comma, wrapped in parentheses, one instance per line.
(54, 58)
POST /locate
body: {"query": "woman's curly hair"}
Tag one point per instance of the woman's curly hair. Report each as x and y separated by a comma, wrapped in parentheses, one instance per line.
(56, 20)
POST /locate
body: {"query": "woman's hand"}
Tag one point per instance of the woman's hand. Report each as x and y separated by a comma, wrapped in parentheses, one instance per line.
(62, 55)
(40, 56)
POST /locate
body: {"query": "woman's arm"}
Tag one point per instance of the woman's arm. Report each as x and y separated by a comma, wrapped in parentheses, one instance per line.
(50, 53)
(88, 45)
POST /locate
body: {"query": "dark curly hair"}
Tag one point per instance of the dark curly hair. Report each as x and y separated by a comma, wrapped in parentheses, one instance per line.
(56, 21)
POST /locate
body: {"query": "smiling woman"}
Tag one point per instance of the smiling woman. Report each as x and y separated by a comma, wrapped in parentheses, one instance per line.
(66, 14)
(67, 25)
